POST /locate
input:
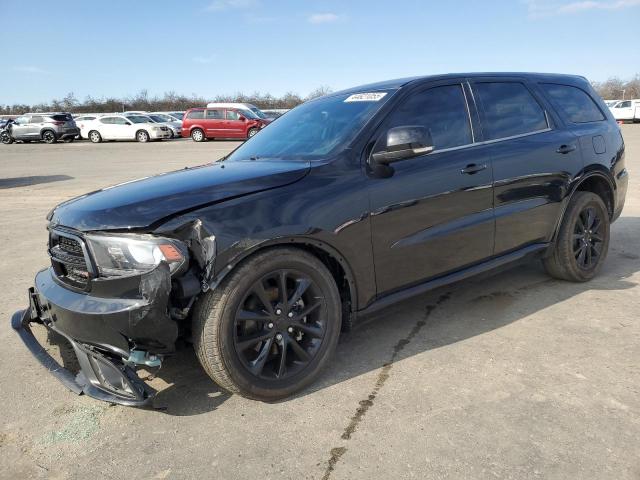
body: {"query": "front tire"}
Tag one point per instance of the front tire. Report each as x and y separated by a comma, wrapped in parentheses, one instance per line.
(6, 138)
(269, 329)
(583, 240)
(197, 135)
(251, 132)
(142, 136)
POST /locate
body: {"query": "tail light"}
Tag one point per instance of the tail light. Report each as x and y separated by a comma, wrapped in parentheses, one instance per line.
(58, 123)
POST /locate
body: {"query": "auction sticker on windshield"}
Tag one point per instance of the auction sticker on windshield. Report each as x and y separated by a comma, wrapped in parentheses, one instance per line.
(365, 97)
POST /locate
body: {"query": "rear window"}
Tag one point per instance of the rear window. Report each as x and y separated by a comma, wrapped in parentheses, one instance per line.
(62, 117)
(509, 110)
(575, 103)
(196, 114)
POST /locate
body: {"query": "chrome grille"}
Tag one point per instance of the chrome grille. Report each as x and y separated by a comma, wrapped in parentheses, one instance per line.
(68, 259)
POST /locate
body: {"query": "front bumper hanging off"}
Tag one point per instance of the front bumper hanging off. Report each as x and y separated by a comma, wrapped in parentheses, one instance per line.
(101, 377)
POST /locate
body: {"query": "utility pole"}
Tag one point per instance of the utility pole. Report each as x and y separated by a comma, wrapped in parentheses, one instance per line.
(623, 90)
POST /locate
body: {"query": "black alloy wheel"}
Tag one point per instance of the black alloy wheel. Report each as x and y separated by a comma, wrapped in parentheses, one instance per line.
(280, 325)
(271, 326)
(587, 238)
(580, 246)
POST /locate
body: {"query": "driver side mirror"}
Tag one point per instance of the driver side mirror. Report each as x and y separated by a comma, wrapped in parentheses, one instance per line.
(402, 143)
(241, 118)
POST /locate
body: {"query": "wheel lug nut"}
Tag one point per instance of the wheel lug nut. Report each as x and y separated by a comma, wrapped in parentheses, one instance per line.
(279, 337)
(278, 311)
(290, 329)
(290, 315)
(270, 325)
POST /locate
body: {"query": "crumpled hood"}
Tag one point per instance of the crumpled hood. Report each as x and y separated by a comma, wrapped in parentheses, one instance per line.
(141, 203)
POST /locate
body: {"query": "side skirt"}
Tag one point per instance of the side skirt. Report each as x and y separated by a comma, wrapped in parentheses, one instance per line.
(494, 263)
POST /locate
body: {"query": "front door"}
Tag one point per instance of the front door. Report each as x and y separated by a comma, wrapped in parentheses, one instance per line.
(434, 214)
(123, 129)
(235, 128)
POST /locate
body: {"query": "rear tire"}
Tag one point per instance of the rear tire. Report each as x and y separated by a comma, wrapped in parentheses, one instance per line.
(49, 137)
(197, 135)
(95, 136)
(583, 240)
(251, 132)
(253, 340)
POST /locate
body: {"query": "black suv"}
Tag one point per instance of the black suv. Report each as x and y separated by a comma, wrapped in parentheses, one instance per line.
(348, 203)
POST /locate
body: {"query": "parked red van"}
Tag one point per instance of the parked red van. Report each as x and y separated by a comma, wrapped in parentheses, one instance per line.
(201, 123)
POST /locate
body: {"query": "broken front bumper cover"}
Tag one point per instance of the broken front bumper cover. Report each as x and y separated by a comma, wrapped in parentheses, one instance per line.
(100, 377)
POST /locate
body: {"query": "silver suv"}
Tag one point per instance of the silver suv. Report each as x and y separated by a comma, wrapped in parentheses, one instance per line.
(48, 127)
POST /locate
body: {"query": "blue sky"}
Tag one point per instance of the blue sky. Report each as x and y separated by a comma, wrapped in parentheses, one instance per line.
(209, 47)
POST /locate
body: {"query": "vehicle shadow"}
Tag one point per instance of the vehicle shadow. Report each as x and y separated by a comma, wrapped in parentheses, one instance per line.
(430, 321)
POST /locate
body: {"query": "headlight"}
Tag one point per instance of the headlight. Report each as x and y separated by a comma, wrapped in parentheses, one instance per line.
(122, 255)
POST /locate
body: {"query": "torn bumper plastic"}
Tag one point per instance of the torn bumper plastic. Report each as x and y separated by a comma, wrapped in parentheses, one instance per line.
(103, 373)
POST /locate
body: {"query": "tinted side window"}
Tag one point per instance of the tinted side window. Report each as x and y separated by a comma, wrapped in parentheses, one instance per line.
(443, 110)
(107, 120)
(120, 121)
(196, 114)
(623, 105)
(62, 117)
(232, 115)
(36, 119)
(215, 114)
(509, 109)
(576, 104)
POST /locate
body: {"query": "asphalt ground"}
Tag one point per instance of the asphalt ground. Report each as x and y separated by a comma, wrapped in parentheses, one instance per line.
(514, 376)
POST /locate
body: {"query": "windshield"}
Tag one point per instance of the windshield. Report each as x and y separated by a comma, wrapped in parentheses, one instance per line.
(161, 118)
(178, 115)
(314, 129)
(258, 113)
(138, 119)
(249, 114)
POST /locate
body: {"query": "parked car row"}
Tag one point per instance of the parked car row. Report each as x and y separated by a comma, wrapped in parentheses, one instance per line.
(216, 120)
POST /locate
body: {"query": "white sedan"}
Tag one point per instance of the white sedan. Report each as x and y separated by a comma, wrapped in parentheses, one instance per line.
(130, 127)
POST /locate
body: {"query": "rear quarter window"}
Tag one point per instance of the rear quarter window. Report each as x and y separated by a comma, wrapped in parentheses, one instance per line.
(573, 102)
(509, 110)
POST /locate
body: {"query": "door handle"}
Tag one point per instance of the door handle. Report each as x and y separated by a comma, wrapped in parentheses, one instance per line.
(564, 149)
(473, 168)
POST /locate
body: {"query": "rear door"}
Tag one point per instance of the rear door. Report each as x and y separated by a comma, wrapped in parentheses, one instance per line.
(33, 128)
(106, 128)
(434, 213)
(534, 160)
(214, 122)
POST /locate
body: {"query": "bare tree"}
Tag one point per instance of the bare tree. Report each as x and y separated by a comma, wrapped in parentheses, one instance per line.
(169, 101)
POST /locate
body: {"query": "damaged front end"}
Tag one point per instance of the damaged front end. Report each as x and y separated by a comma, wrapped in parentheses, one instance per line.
(119, 299)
